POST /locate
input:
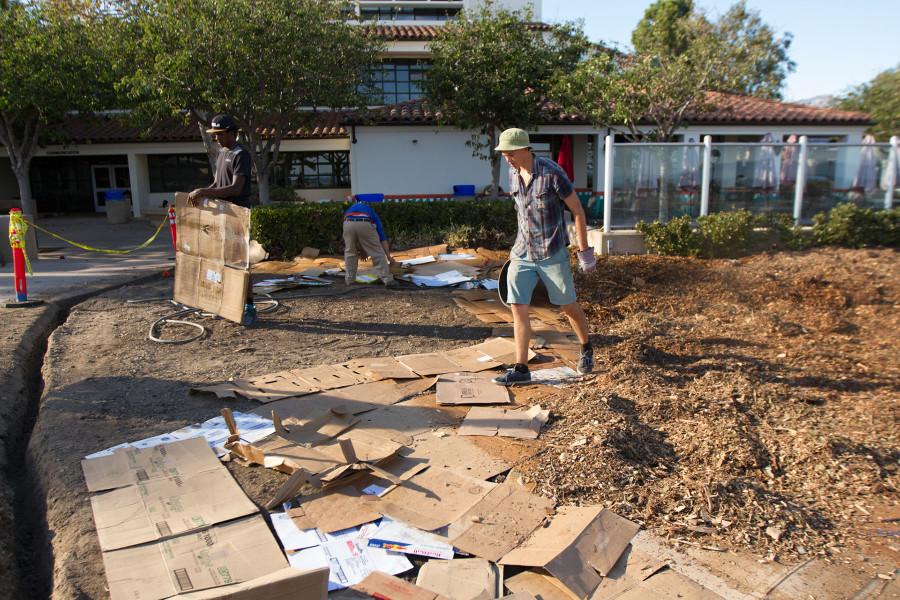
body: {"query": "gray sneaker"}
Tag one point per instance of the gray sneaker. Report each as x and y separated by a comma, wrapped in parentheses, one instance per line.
(513, 377)
(586, 361)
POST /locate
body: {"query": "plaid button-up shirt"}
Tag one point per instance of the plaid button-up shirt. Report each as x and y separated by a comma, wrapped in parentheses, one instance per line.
(539, 210)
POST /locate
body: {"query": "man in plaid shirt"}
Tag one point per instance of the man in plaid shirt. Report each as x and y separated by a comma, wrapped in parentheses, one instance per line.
(541, 191)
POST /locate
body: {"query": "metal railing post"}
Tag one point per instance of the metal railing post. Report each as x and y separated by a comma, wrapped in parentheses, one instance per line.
(608, 184)
(893, 165)
(706, 175)
(800, 187)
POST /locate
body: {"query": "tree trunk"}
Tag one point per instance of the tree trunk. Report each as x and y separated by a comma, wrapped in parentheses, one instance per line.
(211, 147)
(495, 160)
(24, 181)
(262, 184)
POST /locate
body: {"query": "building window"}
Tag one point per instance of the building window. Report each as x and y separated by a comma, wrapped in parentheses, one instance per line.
(177, 172)
(399, 80)
(406, 13)
(312, 170)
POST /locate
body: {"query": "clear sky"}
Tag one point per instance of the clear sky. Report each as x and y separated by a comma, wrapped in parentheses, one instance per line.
(837, 43)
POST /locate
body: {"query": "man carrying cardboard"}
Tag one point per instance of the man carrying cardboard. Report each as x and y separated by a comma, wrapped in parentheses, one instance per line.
(231, 181)
(364, 234)
(541, 190)
(233, 165)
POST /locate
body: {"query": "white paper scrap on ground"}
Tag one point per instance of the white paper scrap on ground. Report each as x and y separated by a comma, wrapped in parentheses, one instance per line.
(456, 256)
(291, 536)
(422, 260)
(349, 561)
(556, 376)
(490, 284)
(441, 280)
(251, 427)
(398, 537)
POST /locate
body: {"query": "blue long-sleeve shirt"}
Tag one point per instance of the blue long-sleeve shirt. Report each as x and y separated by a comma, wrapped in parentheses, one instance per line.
(361, 210)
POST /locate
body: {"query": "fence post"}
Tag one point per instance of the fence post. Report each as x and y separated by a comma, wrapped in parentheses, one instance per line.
(608, 184)
(800, 187)
(893, 166)
(706, 175)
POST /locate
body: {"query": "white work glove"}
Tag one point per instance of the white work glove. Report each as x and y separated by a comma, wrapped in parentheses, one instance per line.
(586, 260)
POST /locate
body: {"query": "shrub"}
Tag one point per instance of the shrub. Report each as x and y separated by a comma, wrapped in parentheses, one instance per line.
(727, 234)
(284, 194)
(855, 227)
(284, 229)
(675, 238)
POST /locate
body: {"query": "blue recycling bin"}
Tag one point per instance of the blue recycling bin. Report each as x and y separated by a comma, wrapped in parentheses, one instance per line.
(464, 191)
(369, 197)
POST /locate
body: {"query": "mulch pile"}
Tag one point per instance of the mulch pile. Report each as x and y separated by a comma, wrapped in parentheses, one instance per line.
(738, 404)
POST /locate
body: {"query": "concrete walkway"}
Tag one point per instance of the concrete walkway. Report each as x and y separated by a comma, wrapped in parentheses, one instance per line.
(62, 270)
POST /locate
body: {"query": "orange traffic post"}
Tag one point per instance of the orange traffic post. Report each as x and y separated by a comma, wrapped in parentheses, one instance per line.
(172, 228)
(17, 228)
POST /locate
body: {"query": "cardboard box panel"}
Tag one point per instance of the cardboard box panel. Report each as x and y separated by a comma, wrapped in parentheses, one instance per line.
(133, 465)
(468, 389)
(169, 506)
(215, 229)
(285, 584)
(218, 556)
(211, 286)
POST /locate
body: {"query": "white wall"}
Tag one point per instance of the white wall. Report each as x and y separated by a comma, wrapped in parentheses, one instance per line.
(386, 160)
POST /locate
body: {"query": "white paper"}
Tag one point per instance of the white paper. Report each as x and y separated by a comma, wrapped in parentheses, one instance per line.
(422, 260)
(333, 271)
(292, 537)
(366, 278)
(554, 377)
(399, 537)
(108, 451)
(349, 561)
(157, 440)
(373, 490)
(490, 284)
(456, 256)
(441, 280)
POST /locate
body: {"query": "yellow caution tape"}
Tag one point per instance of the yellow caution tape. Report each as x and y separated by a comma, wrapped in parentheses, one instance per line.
(103, 250)
(17, 228)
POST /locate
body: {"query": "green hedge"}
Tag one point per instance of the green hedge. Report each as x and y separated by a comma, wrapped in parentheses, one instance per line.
(739, 233)
(285, 228)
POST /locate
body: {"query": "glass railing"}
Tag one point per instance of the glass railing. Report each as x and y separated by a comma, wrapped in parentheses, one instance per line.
(655, 182)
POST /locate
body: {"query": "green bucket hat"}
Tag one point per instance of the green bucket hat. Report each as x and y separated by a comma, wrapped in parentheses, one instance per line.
(513, 139)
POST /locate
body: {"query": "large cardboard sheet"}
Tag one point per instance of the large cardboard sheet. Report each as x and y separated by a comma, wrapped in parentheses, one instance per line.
(434, 498)
(454, 453)
(131, 465)
(386, 367)
(382, 585)
(160, 508)
(214, 229)
(538, 585)
(522, 424)
(460, 579)
(285, 584)
(580, 545)
(499, 522)
(211, 286)
(469, 389)
(223, 555)
(334, 511)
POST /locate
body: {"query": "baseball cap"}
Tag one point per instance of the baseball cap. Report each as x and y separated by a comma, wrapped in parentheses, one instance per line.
(222, 123)
(513, 139)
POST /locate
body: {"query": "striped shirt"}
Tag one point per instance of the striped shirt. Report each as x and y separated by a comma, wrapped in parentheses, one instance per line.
(539, 210)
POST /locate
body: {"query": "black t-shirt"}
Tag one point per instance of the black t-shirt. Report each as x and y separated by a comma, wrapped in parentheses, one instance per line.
(234, 161)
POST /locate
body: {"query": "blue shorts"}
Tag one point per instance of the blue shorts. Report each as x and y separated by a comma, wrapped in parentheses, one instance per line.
(555, 272)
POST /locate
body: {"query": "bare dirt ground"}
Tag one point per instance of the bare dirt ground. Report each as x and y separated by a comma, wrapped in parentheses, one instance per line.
(747, 404)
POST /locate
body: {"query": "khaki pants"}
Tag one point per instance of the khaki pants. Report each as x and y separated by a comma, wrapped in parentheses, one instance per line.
(362, 235)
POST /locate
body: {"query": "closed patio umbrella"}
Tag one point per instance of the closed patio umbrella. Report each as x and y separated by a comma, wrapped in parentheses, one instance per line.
(866, 177)
(565, 159)
(789, 162)
(764, 171)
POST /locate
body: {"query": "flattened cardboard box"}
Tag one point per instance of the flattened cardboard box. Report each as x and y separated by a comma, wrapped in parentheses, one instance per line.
(580, 545)
(222, 555)
(215, 229)
(161, 508)
(460, 578)
(129, 466)
(211, 286)
(286, 584)
(382, 585)
(469, 388)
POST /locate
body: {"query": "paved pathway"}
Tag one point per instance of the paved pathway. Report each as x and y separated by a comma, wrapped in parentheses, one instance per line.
(63, 270)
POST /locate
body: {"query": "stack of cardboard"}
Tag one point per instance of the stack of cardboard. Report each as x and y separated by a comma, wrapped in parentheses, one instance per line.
(212, 262)
(171, 520)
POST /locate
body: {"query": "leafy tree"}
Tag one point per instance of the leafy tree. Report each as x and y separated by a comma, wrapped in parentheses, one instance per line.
(274, 65)
(491, 71)
(663, 28)
(49, 67)
(881, 99)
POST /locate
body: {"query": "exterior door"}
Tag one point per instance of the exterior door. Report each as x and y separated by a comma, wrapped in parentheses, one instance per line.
(109, 177)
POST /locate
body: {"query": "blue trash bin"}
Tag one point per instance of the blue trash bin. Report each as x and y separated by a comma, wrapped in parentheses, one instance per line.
(118, 208)
(369, 197)
(464, 191)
